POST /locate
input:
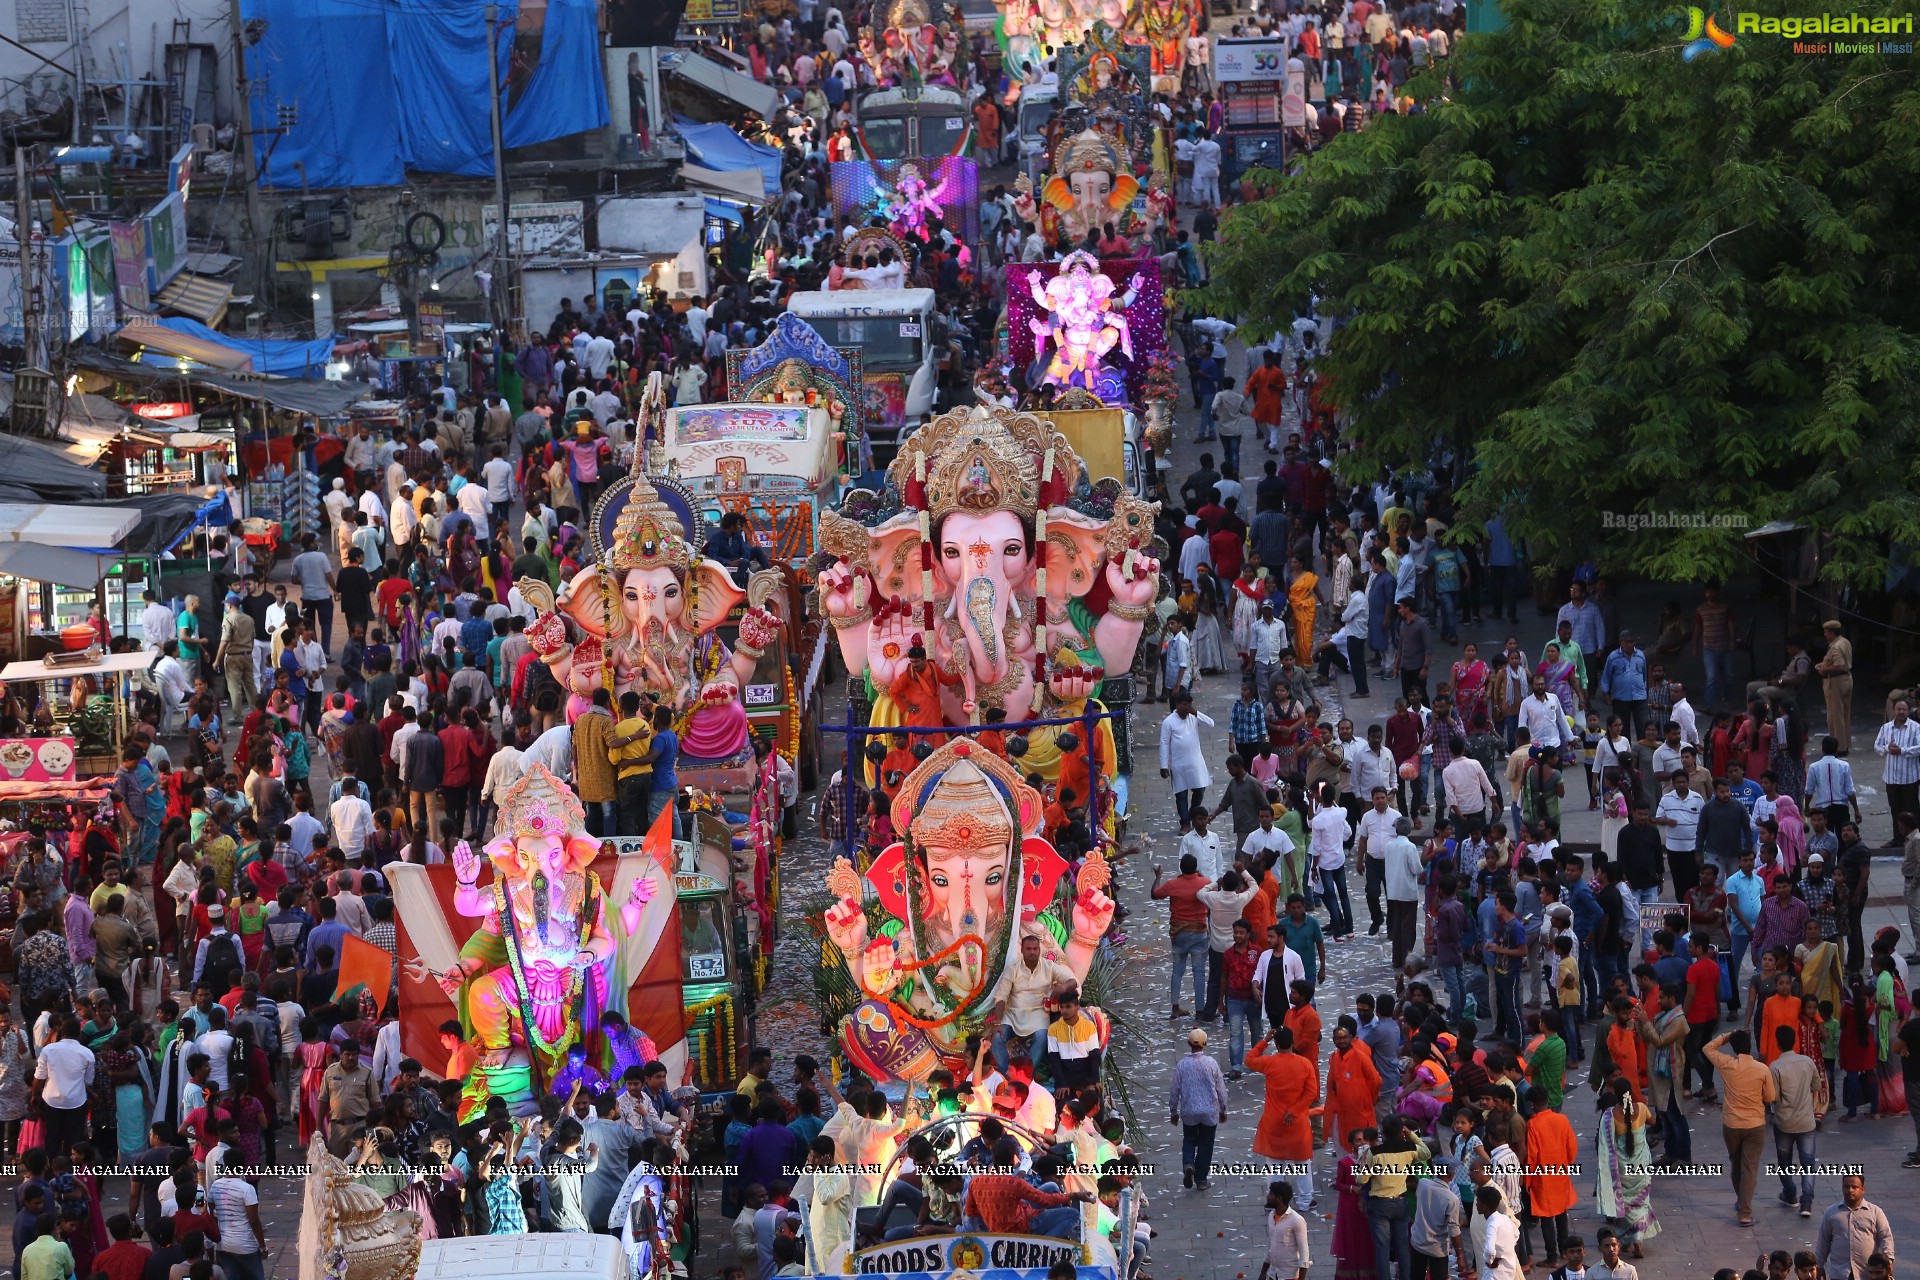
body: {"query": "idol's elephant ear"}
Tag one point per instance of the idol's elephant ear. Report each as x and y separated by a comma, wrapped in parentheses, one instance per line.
(713, 594)
(893, 557)
(584, 599)
(1076, 548)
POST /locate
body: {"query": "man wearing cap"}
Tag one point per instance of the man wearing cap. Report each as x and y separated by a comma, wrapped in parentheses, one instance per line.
(348, 1095)
(1198, 1104)
(234, 657)
(916, 690)
(1836, 679)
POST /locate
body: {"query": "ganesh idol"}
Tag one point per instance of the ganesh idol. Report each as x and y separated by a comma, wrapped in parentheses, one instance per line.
(648, 611)
(1092, 184)
(971, 880)
(913, 203)
(536, 978)
(1083, 320)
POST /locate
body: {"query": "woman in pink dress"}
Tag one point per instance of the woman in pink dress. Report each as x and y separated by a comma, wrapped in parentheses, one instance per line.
(1352, 1238)
(315, 1055)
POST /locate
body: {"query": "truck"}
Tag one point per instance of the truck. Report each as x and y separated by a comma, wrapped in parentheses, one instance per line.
(894, 330)
(1037, 105)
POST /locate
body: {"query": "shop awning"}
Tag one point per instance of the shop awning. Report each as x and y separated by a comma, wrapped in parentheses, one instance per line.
(111, 664)
(158, 341)
(63, 565)
(722, 210)
(202, 298)
(64, 525)
(742, 184)
(318, 396)
(33, 471)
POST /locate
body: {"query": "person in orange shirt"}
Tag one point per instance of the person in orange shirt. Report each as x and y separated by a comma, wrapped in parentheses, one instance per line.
(916, 690)
(1304, 1021)
(1285, 1132)
(1782, 1009)
(1553, 1153)
(1625, 1047)
(1268, 387)
(1055, 814)
(896, 765)
(1263, 909)
(1353, 1083)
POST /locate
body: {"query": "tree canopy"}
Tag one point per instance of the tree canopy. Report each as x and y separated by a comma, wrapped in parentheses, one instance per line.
(1623, 283)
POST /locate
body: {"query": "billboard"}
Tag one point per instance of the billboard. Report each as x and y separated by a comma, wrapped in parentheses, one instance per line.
(1237, 61)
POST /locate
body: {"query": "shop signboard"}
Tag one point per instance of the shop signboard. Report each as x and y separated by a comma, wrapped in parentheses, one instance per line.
(37, 759)
(556, 227)
(166, 241)
(712, 11)
(130, 264)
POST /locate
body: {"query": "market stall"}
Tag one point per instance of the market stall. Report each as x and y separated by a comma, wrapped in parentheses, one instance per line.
(85, 696)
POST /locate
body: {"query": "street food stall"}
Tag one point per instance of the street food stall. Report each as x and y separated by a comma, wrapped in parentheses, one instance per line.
(85, 696)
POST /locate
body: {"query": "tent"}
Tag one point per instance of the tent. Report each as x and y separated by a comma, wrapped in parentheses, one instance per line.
(382, 89)
(269, 355)
(717, 146)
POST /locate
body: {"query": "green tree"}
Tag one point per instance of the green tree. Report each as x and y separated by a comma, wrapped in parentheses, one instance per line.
(1622, 283)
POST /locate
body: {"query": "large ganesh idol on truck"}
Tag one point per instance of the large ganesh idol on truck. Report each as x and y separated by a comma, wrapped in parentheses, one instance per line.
(927, 937)
(647, 615)
(990, 551)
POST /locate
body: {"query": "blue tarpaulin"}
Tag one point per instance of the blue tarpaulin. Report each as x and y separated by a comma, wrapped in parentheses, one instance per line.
(717, 146)
(269, 355)
(382, 89)
(722, 210)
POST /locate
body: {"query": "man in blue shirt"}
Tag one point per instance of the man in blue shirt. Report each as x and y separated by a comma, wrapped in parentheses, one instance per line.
(662, 755)
(1589, 628)
(730, 547)
(1624, 681)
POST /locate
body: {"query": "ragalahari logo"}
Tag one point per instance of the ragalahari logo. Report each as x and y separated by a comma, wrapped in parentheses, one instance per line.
(1703, 35)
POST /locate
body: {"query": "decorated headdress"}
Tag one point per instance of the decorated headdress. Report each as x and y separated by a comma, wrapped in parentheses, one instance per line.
(537, 805)
(792, 375)
(909, 170)
(1090, 152)
(984, 459)
(648, 534)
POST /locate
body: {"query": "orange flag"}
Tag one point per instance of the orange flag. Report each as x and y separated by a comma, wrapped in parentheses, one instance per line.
(363, 964)
(658, 842)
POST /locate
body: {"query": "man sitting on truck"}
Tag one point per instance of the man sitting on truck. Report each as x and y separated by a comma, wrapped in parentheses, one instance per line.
(730, 547)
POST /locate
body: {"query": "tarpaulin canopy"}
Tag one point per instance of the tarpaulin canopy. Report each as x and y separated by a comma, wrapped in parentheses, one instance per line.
(385, 88)
(178, 348)
(317, 396)
(165, 519)
(717, 146)
(67, 543)
(34, 472)
(268, 355)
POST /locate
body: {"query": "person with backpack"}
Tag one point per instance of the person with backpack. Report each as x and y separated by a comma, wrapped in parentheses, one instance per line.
(220, 959)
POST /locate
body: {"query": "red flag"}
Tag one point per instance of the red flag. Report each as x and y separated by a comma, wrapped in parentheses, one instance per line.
(363, 964)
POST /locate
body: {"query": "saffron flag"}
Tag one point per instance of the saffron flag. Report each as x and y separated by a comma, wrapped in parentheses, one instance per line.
(363, 964)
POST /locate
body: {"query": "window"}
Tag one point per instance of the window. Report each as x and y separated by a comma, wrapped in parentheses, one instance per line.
(703, 940)
(883, 346)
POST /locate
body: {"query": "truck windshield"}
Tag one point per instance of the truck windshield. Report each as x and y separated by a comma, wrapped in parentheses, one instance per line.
(703, 939)
(886, 139)
(888, 344)
(1034, 116)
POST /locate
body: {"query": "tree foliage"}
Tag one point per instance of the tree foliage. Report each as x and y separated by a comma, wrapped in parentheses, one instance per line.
(1623, 284)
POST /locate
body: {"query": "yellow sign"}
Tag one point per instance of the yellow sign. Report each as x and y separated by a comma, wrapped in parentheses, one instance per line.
(1099, 436)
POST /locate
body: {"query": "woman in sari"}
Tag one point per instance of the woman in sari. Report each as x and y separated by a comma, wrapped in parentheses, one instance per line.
(125, 1064)
(1561, 678)
(1888, 997)
(1287, 727)
(1209, 653)
(1303, 597)
(1469, 683)
(1859, 1052)
(16, 1081)
(1623, 1191)
(1249, 592)
(1353, 1250)
(314, 1055)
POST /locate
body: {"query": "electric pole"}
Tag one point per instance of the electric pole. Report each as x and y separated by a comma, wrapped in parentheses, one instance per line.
(499, 300)
(243, 104)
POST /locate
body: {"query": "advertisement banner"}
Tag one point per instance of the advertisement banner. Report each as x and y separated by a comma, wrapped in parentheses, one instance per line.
(886, 402)
(554, 227)
(130, 264)
(166, 240)
(712, 11)
(37, 759)
(971, 1253)
(1293, 103)
(1237, 61)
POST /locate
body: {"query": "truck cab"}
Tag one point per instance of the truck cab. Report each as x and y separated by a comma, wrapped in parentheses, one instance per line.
(1037, 107)
(719, 946)
(900, 364)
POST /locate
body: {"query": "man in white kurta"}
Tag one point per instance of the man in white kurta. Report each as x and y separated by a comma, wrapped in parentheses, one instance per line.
(1183, 760)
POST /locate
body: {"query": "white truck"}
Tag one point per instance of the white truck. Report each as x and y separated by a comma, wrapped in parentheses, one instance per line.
(893, 330)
